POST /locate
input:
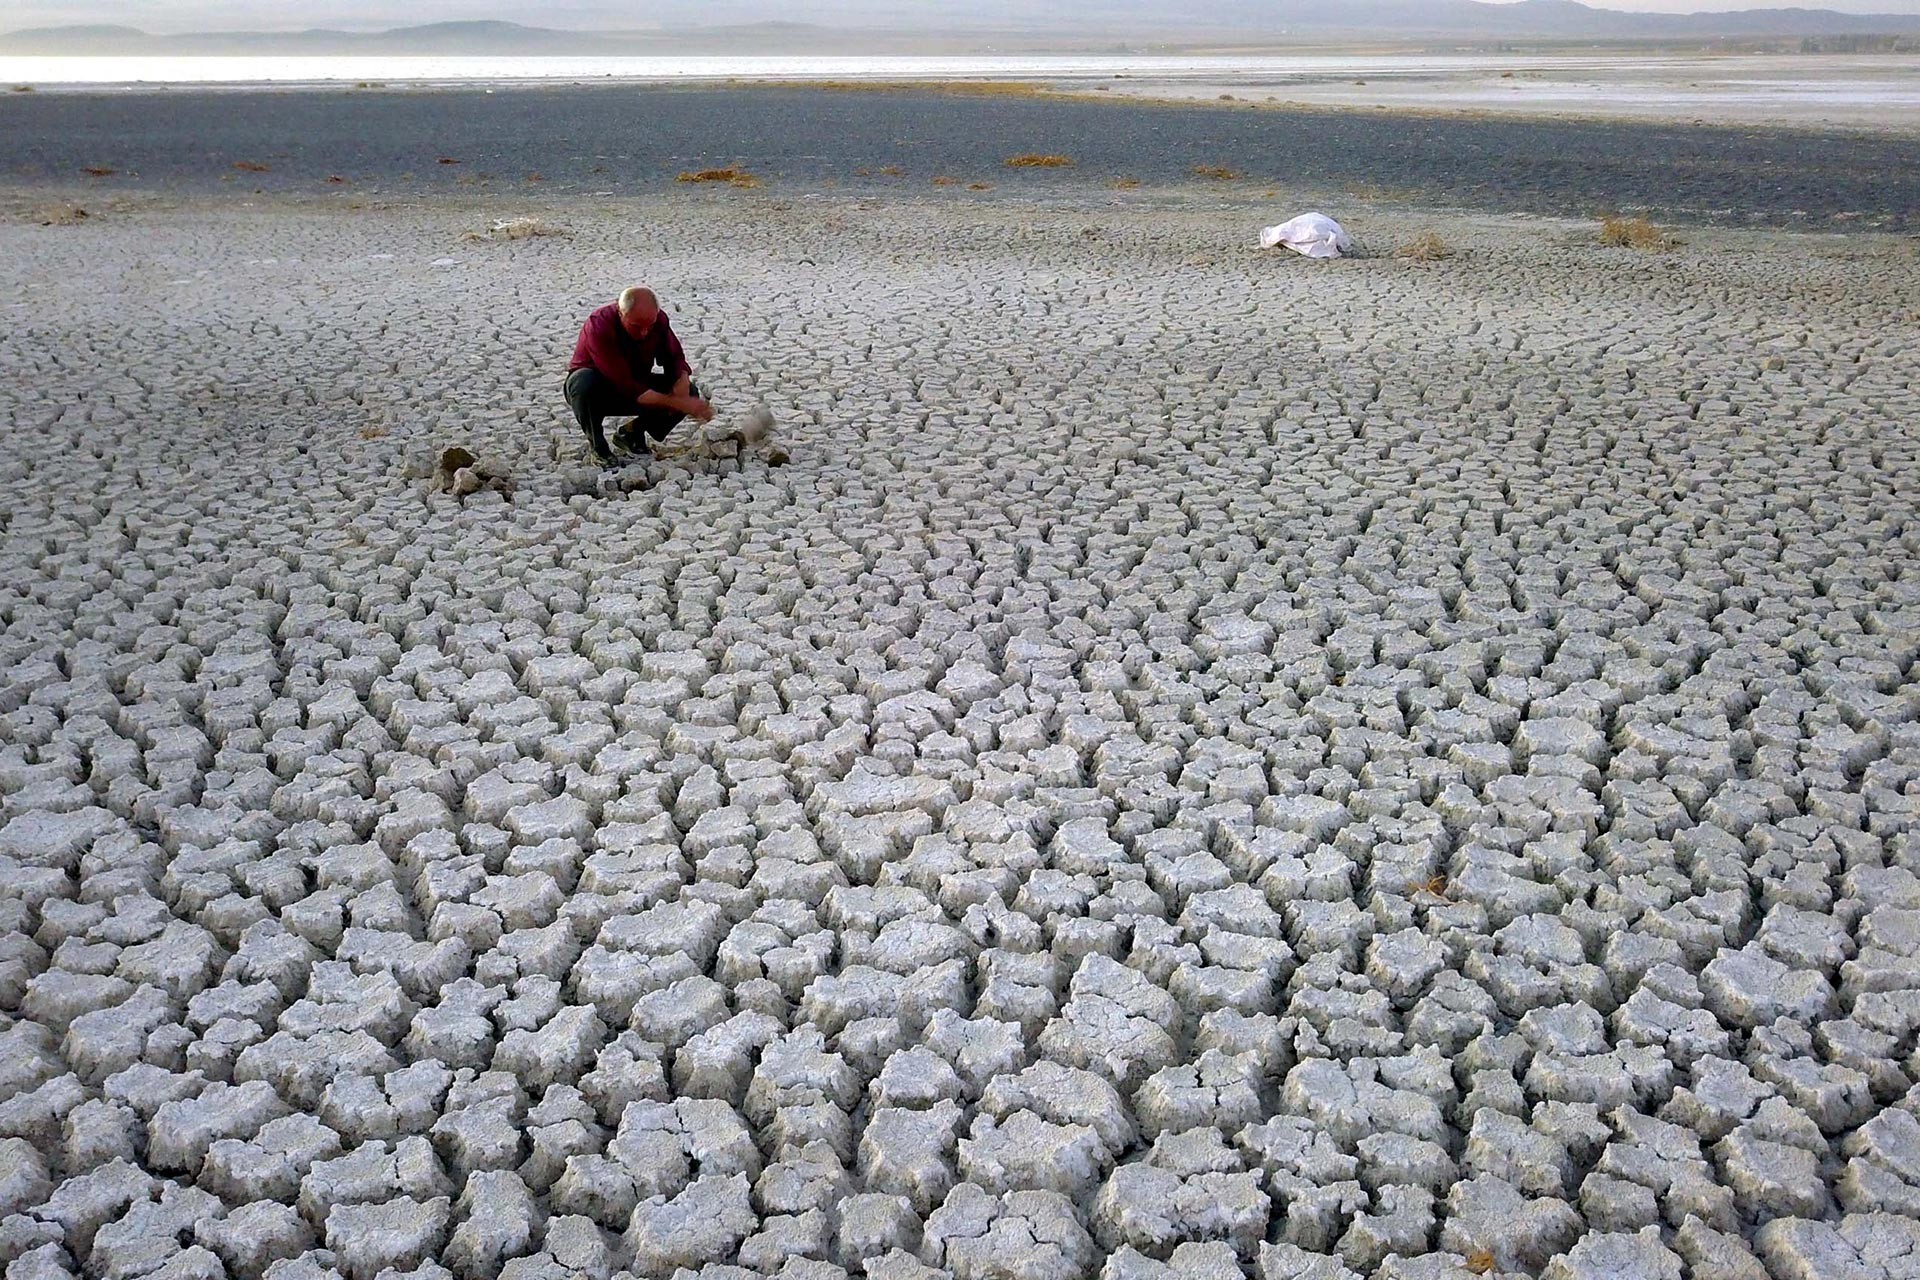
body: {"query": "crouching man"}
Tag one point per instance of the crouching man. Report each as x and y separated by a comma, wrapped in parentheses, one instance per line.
(628, 363)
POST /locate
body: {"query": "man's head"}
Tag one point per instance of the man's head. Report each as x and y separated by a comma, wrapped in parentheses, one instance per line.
(638, 311)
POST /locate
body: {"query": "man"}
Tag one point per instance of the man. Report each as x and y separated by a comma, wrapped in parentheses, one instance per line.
(628, 363)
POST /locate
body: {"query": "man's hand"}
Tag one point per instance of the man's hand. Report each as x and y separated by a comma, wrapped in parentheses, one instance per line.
(680, 401)
(693, 406)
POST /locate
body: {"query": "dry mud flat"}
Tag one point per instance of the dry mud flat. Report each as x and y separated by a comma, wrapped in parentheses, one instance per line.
(1877, 93)
(1204, 765)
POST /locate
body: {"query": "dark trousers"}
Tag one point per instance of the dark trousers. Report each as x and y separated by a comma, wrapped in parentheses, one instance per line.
(593, 399)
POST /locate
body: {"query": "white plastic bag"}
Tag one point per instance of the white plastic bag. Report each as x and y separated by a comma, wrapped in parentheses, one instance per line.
(1312, 234)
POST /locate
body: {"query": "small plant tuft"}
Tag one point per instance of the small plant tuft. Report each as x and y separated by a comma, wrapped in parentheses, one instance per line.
(1634, 233)
(1124, 184)
(731, 177)
(522, 228)
(97, 171)
(62, 215)
(1218, 173)
(949, 88)
(1034, 160)
(249, 166)
(1425, 247)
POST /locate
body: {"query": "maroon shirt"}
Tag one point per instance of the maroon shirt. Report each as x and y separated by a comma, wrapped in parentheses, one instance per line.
(606, 347)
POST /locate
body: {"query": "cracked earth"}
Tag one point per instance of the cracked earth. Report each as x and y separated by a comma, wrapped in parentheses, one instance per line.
(1204, 764)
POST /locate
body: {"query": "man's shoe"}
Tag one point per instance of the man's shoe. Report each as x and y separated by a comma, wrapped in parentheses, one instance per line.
(633, 438)
(597, 446)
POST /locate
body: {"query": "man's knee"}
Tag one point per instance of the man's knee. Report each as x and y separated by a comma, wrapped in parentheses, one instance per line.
(658, 424)
(579, 389)
(593, 395)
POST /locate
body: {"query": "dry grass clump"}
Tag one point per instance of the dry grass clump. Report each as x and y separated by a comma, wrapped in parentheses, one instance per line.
(522, 228)
(62, 215)
(942, 180)
(249, 166)
(1123, 184)
(955, 88)
(1219, 173)
(23, 88)
(979, 186)
(97, 171)
(1034, 160)
(1634, 233)
(732, 177)
(1425, 247)
(992, 89)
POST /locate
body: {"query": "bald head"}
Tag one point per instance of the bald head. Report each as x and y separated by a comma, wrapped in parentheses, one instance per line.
(639, 308)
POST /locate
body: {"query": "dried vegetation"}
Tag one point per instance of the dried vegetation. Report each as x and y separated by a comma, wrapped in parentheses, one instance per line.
(1634, 233)
(730, 177)
(522, 228)
(1425, 247)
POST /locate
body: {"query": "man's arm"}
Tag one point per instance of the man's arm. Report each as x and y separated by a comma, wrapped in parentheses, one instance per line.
(681, 400)
(673, 358)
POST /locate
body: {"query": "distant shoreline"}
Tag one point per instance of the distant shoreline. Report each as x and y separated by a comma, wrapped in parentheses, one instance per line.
(1007, 27)
(1873, 94)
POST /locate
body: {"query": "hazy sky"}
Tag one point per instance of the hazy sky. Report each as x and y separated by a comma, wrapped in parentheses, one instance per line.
(192, 15)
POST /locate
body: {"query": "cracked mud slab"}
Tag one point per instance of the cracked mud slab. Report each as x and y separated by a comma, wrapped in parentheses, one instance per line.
(1204, 764)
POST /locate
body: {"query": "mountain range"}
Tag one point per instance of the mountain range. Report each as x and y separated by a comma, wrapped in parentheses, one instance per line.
(814, 26)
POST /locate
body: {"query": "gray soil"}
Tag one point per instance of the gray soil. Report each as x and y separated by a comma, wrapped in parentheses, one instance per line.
(628, 139)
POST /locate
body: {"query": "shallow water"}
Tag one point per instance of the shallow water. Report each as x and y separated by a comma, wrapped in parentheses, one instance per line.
(1251, 69)
(239, 69)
